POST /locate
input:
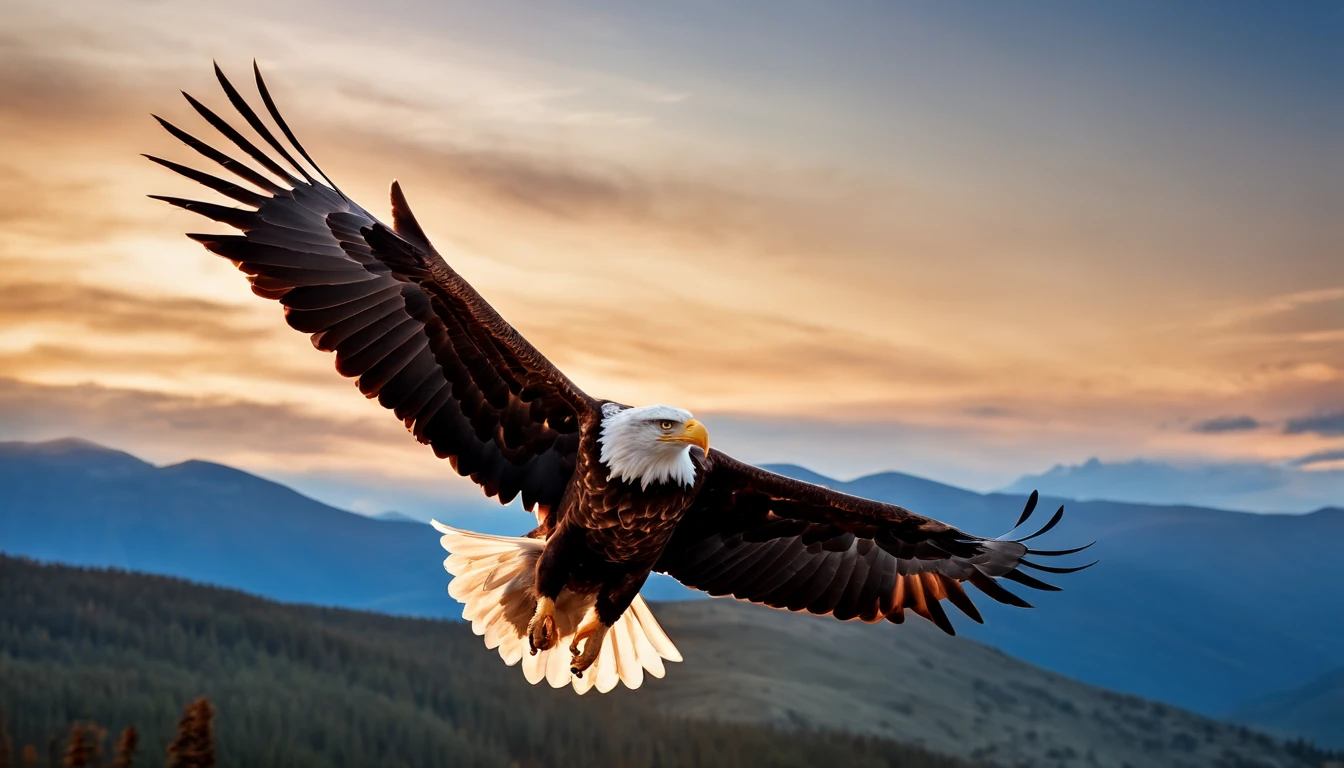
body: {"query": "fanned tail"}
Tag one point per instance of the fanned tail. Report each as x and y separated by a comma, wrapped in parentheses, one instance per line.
(493, 578)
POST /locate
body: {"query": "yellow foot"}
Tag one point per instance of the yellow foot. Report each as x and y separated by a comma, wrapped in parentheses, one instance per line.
(541, 634)
(591, 633)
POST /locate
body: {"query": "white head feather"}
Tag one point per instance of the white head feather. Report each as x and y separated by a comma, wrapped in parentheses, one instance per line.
(633, 452)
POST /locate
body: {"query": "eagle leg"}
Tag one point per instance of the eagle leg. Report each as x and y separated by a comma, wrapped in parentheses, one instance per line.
(541, 632)
(591, 633)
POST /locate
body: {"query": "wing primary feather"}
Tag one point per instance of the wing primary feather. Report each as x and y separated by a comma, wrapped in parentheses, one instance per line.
(239, 169)
(240, 141)
(226, 188)
(1027, 510)
(915, 597)
(1059, 515)
(958, 597)
(1029, 581)
(250, 115)
(1055, 568)
(284, 128)
(938, 616)
(897, 600)
(1058, 552)
(234, 217)
(995, 590)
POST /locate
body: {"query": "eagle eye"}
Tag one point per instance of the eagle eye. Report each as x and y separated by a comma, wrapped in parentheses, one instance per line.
(665, 424)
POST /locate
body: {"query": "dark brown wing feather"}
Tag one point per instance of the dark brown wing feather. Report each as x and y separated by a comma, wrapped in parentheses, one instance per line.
(400, 320)
(766, 538)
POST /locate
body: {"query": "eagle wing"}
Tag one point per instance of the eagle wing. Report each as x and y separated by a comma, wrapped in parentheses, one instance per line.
(416, 335)
(769, 539)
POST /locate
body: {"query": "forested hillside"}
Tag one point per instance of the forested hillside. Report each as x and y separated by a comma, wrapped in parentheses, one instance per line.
(304, 686)
(307, 686)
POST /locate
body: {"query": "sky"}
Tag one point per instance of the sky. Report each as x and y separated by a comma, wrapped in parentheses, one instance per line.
(965, 240)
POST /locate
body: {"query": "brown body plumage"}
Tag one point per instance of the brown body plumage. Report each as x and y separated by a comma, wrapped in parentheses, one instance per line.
(608, 534)
(423, 342)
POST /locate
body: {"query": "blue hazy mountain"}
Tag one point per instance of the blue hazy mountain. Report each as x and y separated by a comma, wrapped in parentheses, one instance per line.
(75, 502)
(1247, 486)
(1202, 608)
(1314, 709)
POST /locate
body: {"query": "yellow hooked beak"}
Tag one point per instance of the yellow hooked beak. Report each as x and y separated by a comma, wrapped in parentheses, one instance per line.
(692, 432)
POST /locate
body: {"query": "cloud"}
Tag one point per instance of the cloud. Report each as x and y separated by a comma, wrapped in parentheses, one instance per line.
(988, 412)
(1223, 424)
(1329, 424)
(1320, 457)
(120, 312)
(719, 357)
(1275, 306)
(73, 210)
(208, 423)
(58, 332)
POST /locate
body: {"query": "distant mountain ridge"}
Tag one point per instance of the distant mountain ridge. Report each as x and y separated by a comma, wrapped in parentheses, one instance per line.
(1314, 709)
(1244, 486)
(75, 502)
(1182, 608)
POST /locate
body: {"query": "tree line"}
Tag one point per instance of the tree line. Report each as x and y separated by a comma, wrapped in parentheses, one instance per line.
(193, 747)
(306, 686)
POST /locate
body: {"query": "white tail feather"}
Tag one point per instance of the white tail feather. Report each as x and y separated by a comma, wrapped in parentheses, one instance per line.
(493, 578)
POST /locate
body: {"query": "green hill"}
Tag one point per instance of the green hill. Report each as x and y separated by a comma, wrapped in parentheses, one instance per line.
(305, 686)
(301, 685)
(914, 684)
(1315, 708)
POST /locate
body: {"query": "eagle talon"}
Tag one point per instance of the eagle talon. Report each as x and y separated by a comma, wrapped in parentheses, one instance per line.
(591, 633)
(541, 634)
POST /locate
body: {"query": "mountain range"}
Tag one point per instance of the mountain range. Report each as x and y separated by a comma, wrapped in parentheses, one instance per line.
(1206, 609)
(1314, 708)
(1244, 486)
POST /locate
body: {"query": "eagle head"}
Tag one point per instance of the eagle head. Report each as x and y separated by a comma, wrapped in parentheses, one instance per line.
(650, 444)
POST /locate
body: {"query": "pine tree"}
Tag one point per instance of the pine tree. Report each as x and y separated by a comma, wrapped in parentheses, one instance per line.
(6, 745)
(83, 748)
(194, 746)
(125, 748)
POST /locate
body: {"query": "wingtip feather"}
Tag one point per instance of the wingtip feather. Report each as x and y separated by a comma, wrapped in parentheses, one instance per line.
(1027, 509)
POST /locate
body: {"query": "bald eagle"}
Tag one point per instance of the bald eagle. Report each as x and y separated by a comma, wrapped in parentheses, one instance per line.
(618, 492)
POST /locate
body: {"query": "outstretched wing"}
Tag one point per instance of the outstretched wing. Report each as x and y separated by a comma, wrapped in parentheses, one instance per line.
(766, 538)
(415, 334)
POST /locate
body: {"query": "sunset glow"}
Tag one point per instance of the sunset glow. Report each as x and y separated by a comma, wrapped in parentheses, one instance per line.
(793, 229)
